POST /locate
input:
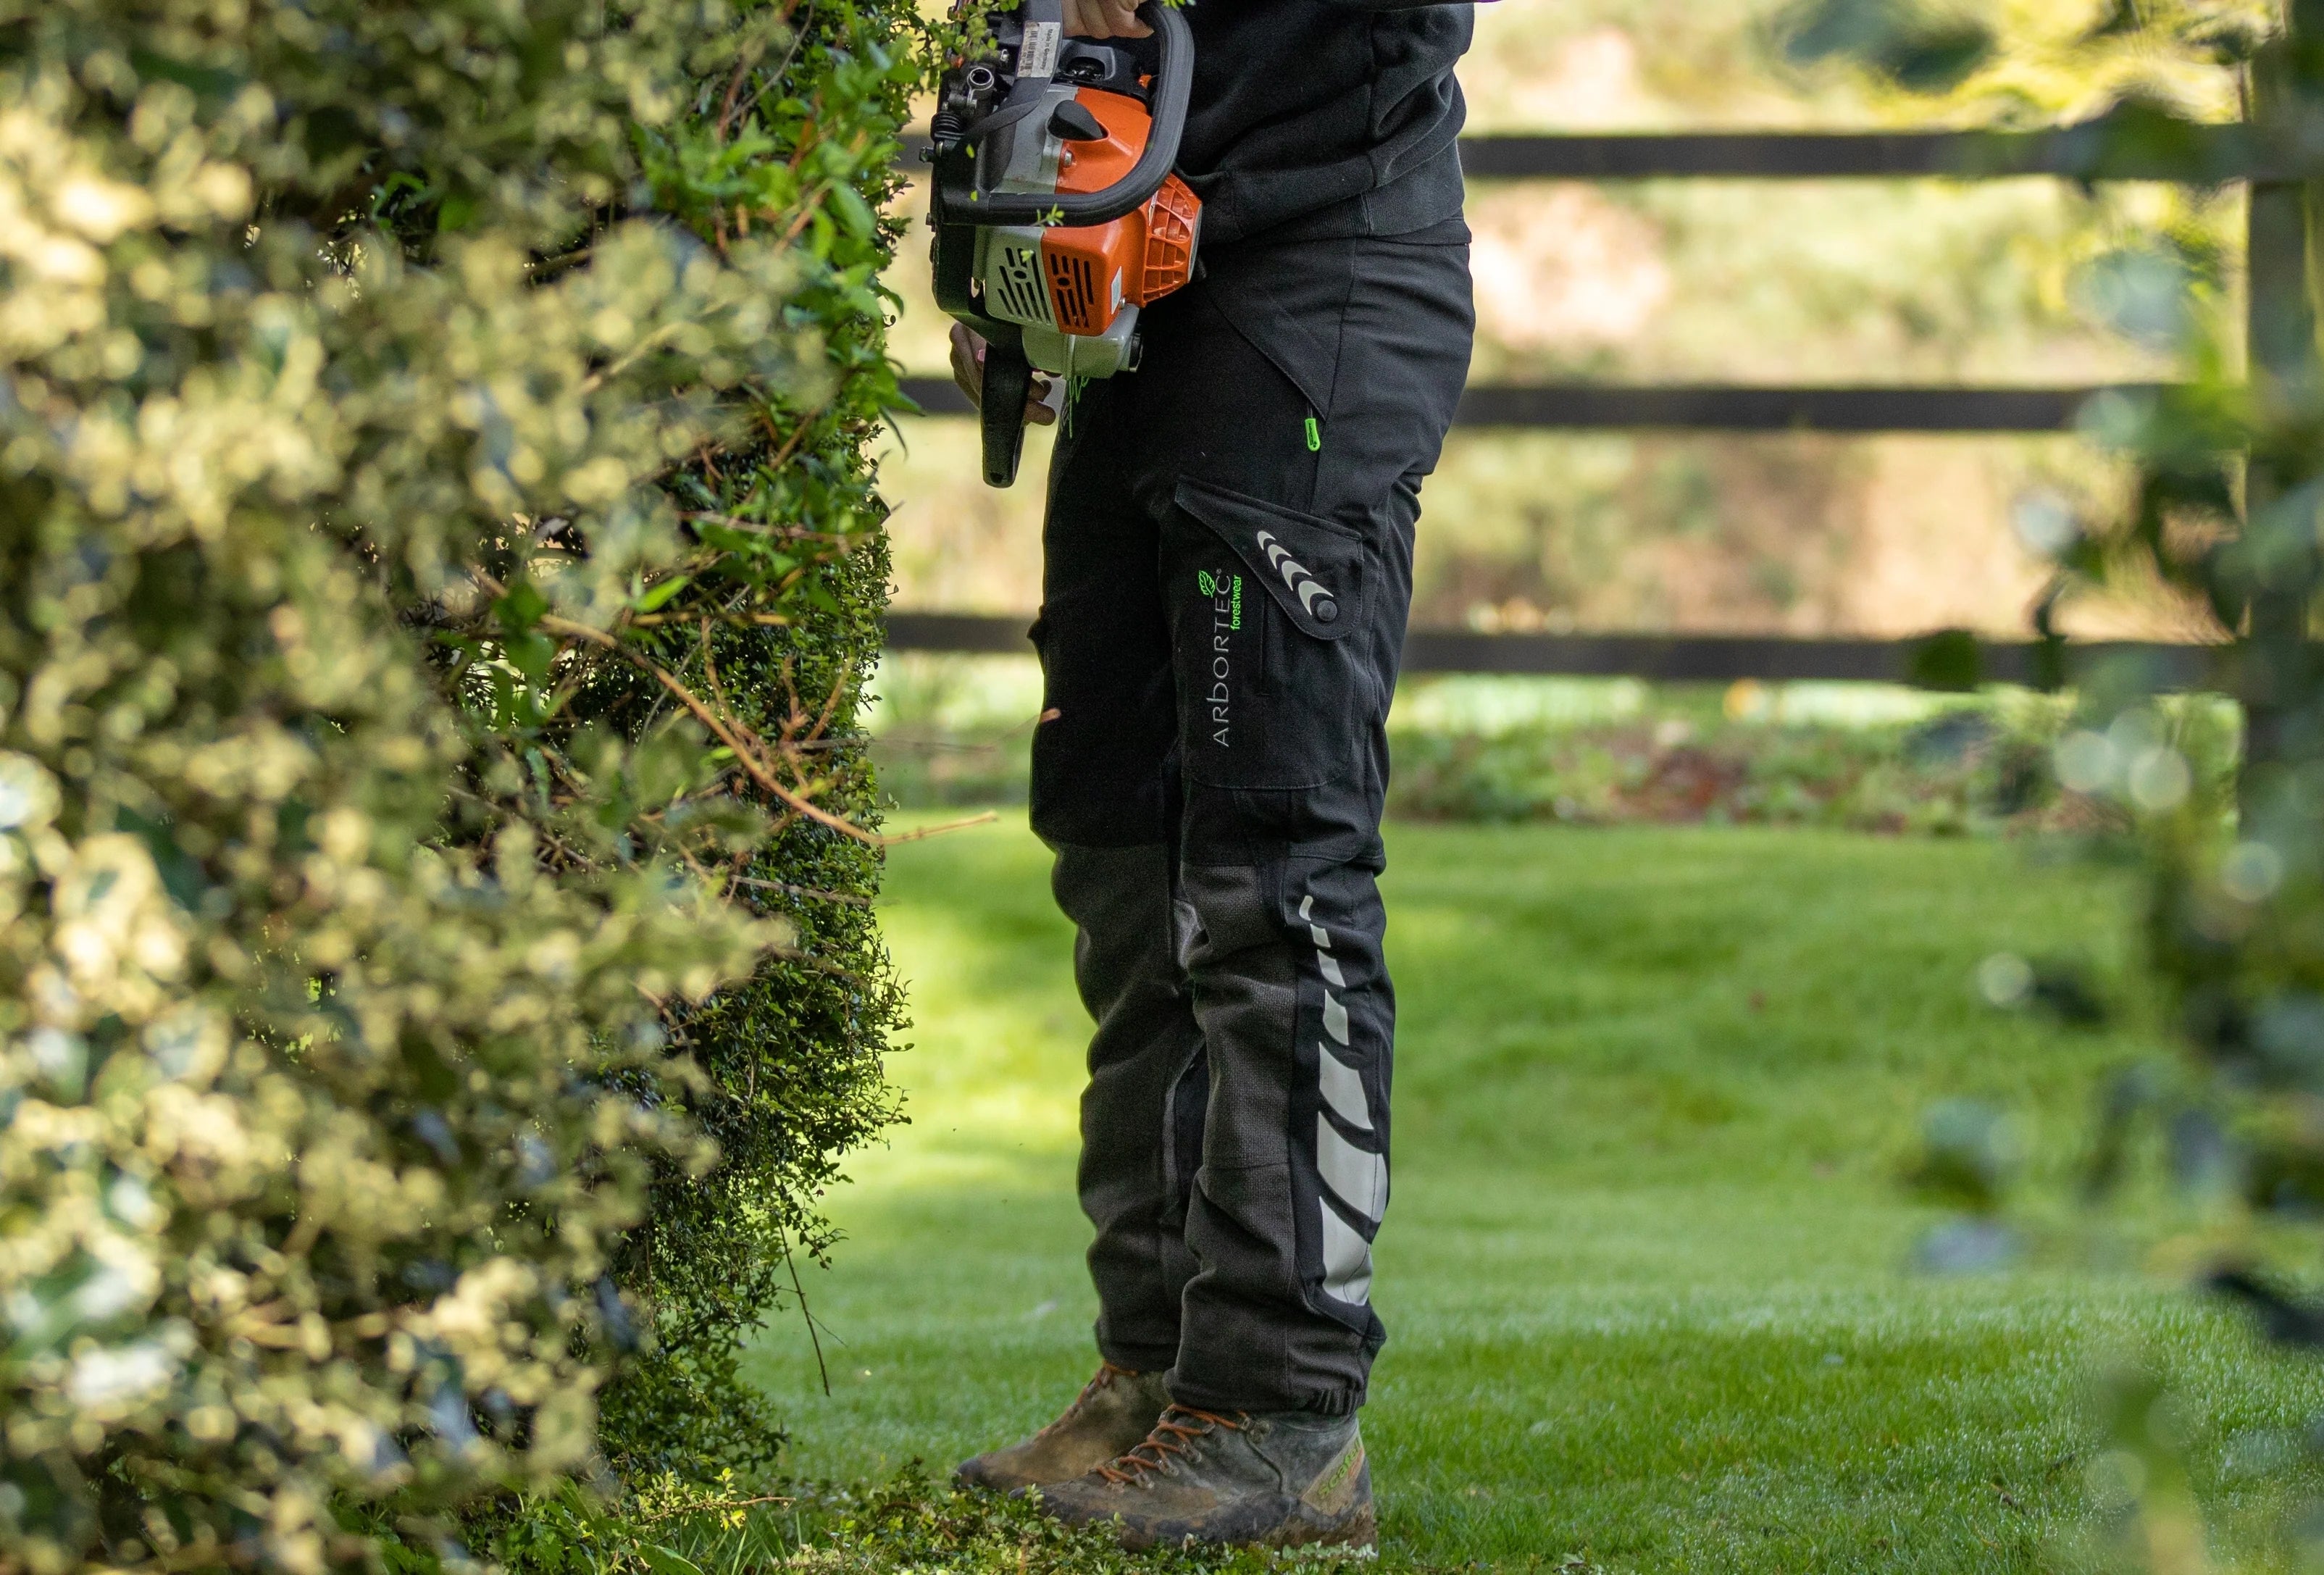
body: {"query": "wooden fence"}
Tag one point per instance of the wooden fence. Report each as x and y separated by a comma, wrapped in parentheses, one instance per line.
(2086, 152)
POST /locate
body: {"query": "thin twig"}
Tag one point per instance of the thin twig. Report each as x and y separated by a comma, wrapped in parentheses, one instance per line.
(830, 705)
(684, 696)
(750, 620)
(782, 456)
(629, 357)
(759, 773)
(788, 532)
(744, 754)
(785, 886)
(733, 91)
(987, 818)
(790, 1261)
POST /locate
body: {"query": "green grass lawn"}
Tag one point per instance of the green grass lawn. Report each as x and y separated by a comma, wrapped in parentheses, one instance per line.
(1647, 1273)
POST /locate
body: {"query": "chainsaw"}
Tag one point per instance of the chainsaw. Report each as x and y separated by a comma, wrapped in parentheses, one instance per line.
(1056, 213)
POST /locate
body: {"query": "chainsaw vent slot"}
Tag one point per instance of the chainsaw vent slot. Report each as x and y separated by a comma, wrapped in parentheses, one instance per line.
(1072, 286)
(1015, 287)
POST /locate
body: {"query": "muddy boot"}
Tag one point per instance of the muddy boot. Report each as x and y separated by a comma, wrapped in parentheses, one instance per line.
(1115, 1411)
(1287, 1479)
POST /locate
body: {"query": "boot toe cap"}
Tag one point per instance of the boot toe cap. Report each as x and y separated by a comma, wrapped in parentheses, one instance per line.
(990, 1473)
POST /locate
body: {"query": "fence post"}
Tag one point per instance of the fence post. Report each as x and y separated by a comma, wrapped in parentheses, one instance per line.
(2280, 323)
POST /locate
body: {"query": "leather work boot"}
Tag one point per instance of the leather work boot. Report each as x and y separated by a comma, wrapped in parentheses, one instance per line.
(1115, 1410)
(1287, 1479)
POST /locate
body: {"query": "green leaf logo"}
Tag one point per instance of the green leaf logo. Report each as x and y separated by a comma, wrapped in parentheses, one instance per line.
(1203, 578)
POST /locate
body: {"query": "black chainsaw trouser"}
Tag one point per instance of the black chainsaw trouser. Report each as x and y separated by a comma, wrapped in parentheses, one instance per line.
(1229, 567)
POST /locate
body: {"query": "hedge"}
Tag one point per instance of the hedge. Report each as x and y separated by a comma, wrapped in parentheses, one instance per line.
(437, 565)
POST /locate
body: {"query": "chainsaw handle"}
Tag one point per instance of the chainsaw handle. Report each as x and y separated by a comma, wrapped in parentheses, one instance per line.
(1008, 380)
(1174, 86)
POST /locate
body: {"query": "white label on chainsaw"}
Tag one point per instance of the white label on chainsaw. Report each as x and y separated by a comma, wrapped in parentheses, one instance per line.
(1039, 56)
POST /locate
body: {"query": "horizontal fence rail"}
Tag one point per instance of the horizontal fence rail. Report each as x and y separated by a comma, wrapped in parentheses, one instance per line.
(1600, 407)
(1943, 661)
(2089, 152)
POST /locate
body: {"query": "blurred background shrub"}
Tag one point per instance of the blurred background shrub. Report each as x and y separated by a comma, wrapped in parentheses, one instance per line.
(952, 730)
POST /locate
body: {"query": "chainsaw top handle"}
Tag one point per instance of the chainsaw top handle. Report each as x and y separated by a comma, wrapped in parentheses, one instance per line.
(1174, 86)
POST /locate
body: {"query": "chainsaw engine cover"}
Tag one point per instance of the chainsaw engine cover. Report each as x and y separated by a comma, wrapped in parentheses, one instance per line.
(1057, 215)
(1077, 289)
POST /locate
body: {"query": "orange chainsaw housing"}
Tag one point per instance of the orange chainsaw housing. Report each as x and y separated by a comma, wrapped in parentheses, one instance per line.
(1141, 257)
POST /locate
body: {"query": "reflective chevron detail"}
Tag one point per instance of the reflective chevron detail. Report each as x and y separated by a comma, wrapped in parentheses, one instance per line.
(1347, 1260)
(1343, 1090)
(1358, 1176)
(1355, 1175)
(1335, 1018)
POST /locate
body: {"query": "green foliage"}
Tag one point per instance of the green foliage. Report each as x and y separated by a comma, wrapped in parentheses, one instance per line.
(2230, 471)
(436, 564)
(2225, 512)
(787, 518)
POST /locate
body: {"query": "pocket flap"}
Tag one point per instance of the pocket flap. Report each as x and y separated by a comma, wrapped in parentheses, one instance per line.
(1313, 568)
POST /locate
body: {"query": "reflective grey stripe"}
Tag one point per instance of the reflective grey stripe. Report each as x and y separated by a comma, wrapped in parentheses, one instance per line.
(1343, 1089)
(1360, 1178)
(1347, 1260)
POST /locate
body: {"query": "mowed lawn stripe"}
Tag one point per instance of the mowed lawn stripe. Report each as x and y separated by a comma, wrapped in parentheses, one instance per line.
(1647, 1269)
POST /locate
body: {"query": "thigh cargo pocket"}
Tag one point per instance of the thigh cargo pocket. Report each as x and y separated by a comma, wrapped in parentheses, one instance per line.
(1264, 600)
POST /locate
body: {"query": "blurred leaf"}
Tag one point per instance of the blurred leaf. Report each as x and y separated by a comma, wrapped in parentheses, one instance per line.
(1970, 1153)
(2281, 1317)
(1922, 47)
(1948, 659)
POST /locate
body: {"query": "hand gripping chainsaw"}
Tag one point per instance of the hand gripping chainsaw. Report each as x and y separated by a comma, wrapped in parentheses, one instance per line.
(1056, 213)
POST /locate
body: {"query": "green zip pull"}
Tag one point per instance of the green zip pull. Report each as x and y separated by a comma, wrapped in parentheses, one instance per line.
(1314, 437)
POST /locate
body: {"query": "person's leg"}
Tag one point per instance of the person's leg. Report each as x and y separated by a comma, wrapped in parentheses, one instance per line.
(1286, 557)
(1281, 835)
(1106, 799)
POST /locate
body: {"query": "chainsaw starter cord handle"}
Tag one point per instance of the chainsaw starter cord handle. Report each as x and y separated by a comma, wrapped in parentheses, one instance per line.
(1174, 86)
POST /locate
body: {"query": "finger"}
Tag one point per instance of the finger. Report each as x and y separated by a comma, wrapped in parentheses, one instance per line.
(1121, 17)
(1077, 21)
(1038, 414)
(967, 373)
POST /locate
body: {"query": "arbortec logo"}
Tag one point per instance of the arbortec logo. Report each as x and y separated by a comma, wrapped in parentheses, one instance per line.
(1224, 593)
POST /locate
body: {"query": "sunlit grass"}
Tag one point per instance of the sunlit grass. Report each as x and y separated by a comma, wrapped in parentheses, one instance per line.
(1647, 1268)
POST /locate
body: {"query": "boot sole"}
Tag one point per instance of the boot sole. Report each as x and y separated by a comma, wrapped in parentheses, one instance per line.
(1358, 1532)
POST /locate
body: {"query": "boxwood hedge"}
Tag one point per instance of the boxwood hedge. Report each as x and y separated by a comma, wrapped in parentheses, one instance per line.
(438, 566)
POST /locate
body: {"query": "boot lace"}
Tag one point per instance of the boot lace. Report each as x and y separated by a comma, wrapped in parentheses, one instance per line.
(1106, 1374)
(1175, 1435)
